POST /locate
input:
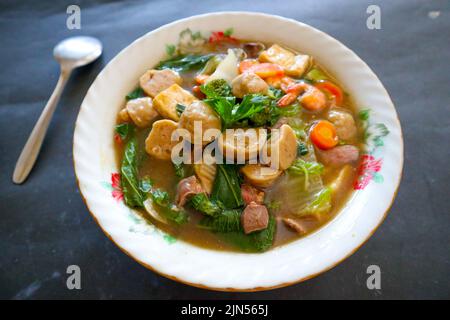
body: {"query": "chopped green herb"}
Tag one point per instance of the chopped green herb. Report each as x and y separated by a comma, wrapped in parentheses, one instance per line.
(170, 49)
(228, 32)
(364, 114)
(136, 93)
(302, 149)
(123, 130)
(180, 108)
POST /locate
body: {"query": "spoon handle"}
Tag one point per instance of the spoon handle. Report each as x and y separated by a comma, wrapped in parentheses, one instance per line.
(31, 149)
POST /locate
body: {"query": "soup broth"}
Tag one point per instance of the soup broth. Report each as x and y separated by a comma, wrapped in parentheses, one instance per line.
(305, 101)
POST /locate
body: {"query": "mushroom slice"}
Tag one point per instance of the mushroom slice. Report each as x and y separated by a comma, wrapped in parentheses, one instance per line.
(148, 206)
(260, 176)
(281, 149)
(242, 144)
(206, 173)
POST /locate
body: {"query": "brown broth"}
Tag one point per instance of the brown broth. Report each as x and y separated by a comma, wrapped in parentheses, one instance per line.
(162, 174)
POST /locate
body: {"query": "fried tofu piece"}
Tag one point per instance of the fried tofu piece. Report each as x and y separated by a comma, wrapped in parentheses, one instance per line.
(293, 65)
(159, 143)
(166, 101)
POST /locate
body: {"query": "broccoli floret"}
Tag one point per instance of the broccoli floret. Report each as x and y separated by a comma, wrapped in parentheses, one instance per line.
(216, 88)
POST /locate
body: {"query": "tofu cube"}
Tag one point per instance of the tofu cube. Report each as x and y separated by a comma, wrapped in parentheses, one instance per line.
(166, 101)
(293, 65)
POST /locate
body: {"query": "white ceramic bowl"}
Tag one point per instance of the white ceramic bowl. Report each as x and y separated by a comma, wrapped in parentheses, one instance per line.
(302, 259)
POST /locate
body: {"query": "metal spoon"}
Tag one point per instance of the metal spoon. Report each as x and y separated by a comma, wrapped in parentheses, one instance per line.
(71, 53)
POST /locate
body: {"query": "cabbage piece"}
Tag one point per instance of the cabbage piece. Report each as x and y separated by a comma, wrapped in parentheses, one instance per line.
(227, 69)
(302, 193)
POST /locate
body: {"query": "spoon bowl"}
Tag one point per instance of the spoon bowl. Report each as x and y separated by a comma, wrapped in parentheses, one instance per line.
(77, 51)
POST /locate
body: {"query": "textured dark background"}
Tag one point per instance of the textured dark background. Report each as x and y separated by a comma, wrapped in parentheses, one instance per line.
(45, 226)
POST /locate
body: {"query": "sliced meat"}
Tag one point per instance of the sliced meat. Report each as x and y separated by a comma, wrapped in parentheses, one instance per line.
(255, 217)
(248, 83)
(295, 225)
(344, 123)
(251, 194)
(155, 81)
(187, 188)
(338, 156)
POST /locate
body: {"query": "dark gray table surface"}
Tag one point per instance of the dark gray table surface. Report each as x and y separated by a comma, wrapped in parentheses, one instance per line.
(45, 225)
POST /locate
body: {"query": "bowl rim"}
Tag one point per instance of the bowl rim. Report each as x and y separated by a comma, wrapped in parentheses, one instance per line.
(258, 288)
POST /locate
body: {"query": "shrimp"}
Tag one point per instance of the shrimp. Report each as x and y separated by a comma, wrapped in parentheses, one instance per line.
(311, 98)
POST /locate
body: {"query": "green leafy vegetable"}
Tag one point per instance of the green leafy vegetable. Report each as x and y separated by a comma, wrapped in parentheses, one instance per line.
(216, 88)
(228, 32)
(226, 221)
(202, 203)
(136, 93)
(273, 205)
(123, 130)
(163, 205)
(316, 75)
(179, 170)
(306, 168)
(254, 242)
(132, 193)
(160, 197)
(271, 113)
(364, 114)
(226, 188)
(183, 63)
(145, 185)
(212, 64)
(170, 49)
(232, 113)
(321, 203)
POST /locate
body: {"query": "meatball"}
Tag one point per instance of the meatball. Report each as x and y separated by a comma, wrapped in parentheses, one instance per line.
(155, 81)
(344, 123)
(141, 111)
(247, 83)
(201, 112)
